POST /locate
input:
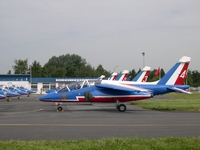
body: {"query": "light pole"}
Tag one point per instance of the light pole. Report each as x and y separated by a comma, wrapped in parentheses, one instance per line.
(115, 68)
(143, 54)
(30, 67)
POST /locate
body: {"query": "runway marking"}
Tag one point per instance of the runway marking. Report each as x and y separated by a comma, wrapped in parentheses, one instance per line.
(21, 112)
(103, 125)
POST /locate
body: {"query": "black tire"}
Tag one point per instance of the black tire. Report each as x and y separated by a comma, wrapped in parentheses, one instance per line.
(88, 96)
(59, 108)
(121, 107)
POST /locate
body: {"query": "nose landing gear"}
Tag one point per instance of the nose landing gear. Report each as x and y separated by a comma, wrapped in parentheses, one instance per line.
(59, 107)
(8, 100)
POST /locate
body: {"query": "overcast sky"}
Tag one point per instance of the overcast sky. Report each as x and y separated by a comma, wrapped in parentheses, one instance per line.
(113, 33)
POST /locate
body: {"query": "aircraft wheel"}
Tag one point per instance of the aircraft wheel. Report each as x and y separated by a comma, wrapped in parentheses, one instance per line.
(59, 108)
(121, 107)
(28, 95)
(19, 98)
(8, 100)
(152, 95)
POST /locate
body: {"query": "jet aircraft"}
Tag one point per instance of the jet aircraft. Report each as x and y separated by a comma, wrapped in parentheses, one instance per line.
(123, 91)
(85, 92)
(17, 90)
(8, 94)
(29, 91)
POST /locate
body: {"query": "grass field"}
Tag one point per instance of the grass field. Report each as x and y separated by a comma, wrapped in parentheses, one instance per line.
(168, 143)
(172, 101)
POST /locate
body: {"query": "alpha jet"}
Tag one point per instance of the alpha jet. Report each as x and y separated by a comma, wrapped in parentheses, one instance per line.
(97, 93)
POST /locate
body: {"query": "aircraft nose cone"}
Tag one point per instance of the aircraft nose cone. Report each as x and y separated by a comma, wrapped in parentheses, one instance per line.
(51, 97)
(42, 98)
(46, 97)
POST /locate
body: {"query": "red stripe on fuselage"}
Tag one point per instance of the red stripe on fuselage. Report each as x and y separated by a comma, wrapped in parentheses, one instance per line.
(101, 99)
(113, 99)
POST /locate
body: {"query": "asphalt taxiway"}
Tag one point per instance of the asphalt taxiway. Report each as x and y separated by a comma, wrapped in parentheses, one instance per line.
(30, 119)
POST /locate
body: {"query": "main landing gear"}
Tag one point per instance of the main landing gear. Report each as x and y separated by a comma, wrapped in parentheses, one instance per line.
(59, 107)
(121, 107)
(8, 100)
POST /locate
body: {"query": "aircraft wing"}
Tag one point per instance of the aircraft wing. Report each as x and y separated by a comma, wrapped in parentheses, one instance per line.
(121, 87)
(179, 90)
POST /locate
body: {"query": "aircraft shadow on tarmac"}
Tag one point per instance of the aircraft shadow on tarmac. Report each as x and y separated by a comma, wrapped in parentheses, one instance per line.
(91, 107)
(31, 104)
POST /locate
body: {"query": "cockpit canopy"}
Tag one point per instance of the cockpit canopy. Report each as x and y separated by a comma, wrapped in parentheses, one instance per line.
(75, 86)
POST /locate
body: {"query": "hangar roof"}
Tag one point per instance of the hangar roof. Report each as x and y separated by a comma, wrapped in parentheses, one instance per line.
(14, 77)
(27, 77)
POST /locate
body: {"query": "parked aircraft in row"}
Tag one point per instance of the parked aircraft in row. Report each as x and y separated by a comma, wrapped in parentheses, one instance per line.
(141, 77)
(7, 93)
(14, 91)
(122, 91)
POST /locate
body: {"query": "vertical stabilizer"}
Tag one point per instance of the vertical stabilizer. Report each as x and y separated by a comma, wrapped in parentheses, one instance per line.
(142, 76)
(113, 76)
(101, 77)
(123, 76)
(177, 74)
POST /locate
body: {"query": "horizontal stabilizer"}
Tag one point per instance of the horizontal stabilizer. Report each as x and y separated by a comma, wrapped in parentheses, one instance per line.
(175, 89)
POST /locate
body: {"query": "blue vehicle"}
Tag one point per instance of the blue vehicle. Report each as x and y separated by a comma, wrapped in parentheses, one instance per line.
(8, 94)
(85, 92)
(20, 92)
(29, 91)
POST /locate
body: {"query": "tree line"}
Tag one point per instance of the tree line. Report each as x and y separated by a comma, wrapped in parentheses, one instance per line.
(72, 66)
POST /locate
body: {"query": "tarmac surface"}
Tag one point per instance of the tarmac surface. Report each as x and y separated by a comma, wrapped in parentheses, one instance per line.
(30, 119)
